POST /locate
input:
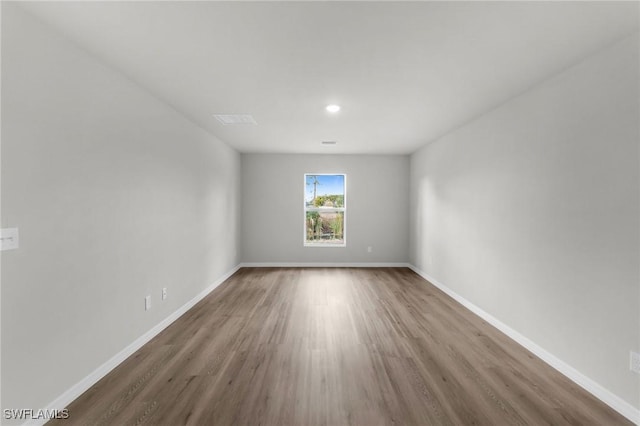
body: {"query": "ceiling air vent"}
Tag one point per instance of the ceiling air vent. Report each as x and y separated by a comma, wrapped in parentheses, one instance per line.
(329, 142)
(228, 119)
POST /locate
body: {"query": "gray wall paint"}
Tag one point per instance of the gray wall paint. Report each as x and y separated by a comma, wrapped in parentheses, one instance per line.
(116, 196)
(273, 211)
(531, 212)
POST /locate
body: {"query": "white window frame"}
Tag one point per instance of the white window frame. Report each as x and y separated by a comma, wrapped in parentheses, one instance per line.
(306, 209)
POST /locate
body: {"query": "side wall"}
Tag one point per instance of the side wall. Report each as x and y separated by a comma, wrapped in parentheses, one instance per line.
(115, 195)
(531, 212)
(273, 208)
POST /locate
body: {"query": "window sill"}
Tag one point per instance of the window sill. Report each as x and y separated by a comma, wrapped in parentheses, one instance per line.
(323, 245)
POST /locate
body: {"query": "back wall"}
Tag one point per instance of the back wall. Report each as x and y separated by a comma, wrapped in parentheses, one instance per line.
(273, 210)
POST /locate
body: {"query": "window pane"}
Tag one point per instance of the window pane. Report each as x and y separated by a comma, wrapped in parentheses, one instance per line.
(324, 191)
(324, 228)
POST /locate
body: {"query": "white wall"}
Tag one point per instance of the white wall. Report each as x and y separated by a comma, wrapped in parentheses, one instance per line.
(531, 212)
(115, 194)
(273, 208)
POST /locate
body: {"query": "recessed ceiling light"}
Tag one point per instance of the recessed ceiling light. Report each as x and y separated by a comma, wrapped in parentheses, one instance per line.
(333, 108)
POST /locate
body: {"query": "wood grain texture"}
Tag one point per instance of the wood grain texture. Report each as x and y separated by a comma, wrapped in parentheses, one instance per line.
(334, 346)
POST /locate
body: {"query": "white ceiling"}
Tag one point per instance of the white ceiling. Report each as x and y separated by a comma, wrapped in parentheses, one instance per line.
(404, 73)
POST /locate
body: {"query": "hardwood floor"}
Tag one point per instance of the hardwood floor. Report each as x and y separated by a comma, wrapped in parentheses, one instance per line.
(327, 346)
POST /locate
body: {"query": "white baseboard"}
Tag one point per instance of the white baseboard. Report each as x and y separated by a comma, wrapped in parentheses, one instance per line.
(83, 385)
(594, 388)
(324, 265)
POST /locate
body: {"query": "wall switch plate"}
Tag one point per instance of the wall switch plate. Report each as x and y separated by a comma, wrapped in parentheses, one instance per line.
(164, 293)
(147, 303)
(369, 249)
(9, 239)
(634, 362)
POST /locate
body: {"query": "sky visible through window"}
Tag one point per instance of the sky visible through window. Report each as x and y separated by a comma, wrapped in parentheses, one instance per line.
(326, 185)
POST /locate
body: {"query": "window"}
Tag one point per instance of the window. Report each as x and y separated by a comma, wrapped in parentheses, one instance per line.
(325, 208)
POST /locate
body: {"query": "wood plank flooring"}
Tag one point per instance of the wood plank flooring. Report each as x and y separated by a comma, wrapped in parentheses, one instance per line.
(334, 346)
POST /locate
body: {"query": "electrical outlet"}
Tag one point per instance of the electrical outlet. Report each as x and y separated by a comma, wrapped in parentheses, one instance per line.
(164, 293)
(147, 303)
(634, 362)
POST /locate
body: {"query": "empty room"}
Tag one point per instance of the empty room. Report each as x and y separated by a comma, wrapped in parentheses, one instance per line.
(320, 213)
